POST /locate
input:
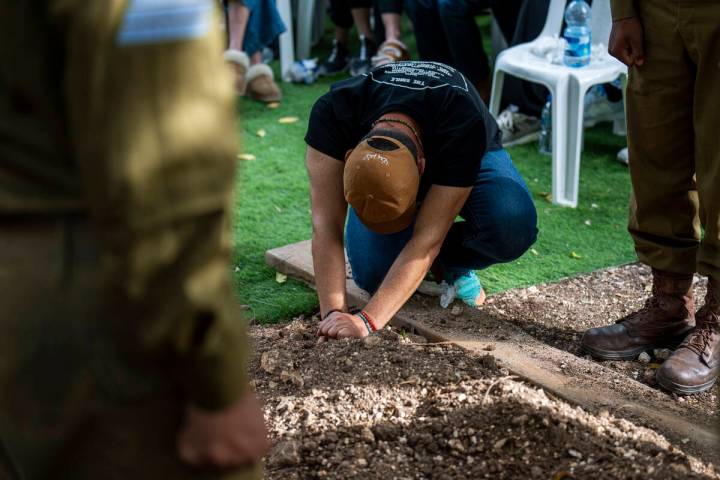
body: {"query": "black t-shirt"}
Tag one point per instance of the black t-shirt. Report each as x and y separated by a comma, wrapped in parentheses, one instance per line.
(457, 129)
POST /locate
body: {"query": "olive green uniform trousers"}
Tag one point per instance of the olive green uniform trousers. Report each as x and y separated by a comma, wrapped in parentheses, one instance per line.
(71, 405)
(673, 114)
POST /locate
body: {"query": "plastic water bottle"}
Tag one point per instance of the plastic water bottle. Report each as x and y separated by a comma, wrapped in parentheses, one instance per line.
(577, 34)
(545, 142)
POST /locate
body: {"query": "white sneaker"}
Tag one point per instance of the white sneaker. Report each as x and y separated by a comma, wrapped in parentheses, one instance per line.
(599, 109)
(623, 156)
(517, 128)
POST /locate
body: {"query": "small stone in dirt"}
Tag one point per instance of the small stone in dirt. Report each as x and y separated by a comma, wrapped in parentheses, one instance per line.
(490, 347)
(416, 338)
(488, 361)
(533, 290)
(536, 471)
(519, 420)
(456, 310)
(575, 454)
(500, 443)
(644, 358)
(662, 353)
(371, 341)
(270, 361)
(361, 462)
(286, 454)
(367, 435)
(649, 376)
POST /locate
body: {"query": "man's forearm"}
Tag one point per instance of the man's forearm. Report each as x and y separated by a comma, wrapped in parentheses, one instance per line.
(329, 265)
(402, 280)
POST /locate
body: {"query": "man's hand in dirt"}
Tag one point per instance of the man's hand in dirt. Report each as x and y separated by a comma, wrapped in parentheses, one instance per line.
(226, 439)
(626, 41)
(342, 325)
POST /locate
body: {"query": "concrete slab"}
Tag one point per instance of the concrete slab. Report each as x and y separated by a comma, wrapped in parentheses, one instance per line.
(588, 384)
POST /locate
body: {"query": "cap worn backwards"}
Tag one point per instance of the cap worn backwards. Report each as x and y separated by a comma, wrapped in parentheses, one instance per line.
(381, 181)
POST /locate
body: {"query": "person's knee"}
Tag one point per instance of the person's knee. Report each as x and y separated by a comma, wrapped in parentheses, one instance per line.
(513, 223)
(366, 278)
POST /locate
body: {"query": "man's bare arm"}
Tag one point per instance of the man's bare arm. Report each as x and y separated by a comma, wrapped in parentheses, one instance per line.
(436, 216)
(328, 218)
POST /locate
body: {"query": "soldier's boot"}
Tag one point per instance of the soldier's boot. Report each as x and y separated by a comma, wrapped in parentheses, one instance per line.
(695, 365)
(668, 315)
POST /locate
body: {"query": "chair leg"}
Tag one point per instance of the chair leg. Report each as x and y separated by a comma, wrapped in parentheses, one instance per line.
(496, 92)
(287, 48)
(570, 170)
(305, 27)
(559, 141)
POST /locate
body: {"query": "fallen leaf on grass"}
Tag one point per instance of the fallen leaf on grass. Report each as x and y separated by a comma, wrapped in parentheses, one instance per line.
(261, 133)
(575, 256)
(280, 277)
(588, 222)
(534, 252)
(246, 156)
(546, 195)
(288, 119)
(273, 105)
(278, 208)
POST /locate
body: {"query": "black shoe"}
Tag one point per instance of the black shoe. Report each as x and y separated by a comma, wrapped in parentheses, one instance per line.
(362, 63)
(337, 61)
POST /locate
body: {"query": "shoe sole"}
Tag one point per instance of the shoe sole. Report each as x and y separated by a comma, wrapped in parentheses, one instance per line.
(626, 354)
(615, 355)
(673, 387)
(527, 138)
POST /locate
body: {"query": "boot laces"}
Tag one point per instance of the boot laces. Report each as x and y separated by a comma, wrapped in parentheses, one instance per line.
(700, 338)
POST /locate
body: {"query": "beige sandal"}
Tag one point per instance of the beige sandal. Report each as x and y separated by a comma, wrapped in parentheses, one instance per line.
(390, 51)
(240, 62)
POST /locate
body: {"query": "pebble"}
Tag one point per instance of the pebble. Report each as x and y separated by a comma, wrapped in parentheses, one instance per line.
(644, 358)
(367, 435)
(371, 341)
(286, 454)
(456, 310)
(649, 376)
(270, 361)
(662, 353)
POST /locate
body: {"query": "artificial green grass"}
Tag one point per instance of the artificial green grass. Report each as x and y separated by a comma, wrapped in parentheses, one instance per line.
(272, 209)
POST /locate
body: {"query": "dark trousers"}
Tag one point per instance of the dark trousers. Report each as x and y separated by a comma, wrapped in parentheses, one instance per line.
(340, 12)
(446, 32)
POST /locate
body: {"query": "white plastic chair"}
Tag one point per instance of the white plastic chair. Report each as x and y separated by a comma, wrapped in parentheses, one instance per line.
(568, 86)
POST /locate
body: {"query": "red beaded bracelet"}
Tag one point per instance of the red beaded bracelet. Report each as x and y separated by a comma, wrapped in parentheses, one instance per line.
(369, 320)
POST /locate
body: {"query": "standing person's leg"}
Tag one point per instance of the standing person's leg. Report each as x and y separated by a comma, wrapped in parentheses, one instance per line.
(432, 44)
(237, 20)
(529, 21)
(339, 57)
(664, 221)
(695, 366)
(392, 49)
(457, 18)
(264, 25)
(360, 10)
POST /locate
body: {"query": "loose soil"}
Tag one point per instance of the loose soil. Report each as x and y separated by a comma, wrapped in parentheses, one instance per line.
(558, 314)
(394, 407)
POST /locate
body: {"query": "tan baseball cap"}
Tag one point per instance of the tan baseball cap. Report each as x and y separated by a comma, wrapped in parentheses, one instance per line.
(381, 181)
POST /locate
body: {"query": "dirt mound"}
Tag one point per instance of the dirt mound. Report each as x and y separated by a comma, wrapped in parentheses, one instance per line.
(393, 406)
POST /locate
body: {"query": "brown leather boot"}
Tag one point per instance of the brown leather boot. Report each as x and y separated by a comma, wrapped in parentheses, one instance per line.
(664, 321)
(695, 365)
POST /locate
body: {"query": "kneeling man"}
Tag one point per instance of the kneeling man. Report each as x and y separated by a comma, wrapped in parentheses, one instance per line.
(409, 147)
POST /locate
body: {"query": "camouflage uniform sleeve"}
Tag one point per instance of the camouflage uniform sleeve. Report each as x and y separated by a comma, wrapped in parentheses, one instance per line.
(622, 9)
(151, 110)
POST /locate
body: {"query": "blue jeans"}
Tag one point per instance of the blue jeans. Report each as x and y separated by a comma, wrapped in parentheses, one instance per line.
(499, 225)
(263, 27)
